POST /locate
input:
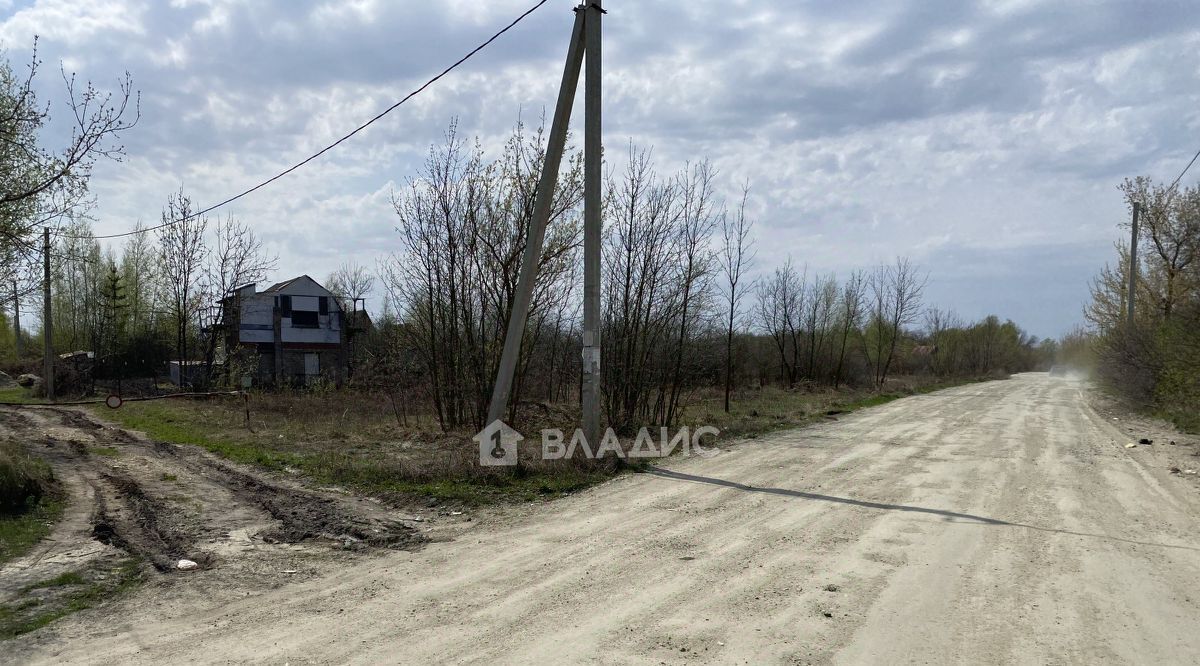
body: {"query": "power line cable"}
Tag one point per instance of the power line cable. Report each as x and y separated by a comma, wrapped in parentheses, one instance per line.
(1185, 170)
(35, 249)
(333, 145)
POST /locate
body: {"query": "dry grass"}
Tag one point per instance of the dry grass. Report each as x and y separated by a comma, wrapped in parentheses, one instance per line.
(358, 440)
(756, 411)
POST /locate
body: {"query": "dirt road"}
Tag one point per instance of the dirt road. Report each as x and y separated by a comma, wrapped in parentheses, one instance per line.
(129, 501)
(992, 523)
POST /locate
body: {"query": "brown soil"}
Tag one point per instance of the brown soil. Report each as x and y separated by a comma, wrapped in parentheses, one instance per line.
(160, 503)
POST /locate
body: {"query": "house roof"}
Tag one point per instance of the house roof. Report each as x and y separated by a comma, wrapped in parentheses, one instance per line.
(280, 286)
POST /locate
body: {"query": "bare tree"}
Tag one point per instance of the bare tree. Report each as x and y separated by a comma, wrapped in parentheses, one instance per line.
(20, 279)
(139, 268)
(237, 258)
(77, 275)
(852, 302)
(780, 307)
(736, 256)
(463, 227)
(938, 325)
(349, 283)
(697, 219)
(818, 316)
(181, 257)
(642, 291)
(897, 291)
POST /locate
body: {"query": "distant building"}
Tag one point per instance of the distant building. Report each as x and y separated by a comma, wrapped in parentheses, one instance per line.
(292, 332)
(191, 374)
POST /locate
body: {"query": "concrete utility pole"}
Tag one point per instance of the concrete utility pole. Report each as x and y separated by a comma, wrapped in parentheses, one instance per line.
(537, 225)
(18, 341)
(1130, 297)
(47, 320)
(591, 226)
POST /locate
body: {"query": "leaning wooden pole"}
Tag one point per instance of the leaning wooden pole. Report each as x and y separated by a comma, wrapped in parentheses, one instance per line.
(537, 225)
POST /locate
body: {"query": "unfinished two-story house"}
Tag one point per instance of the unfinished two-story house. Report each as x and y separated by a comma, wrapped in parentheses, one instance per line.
(291, 333)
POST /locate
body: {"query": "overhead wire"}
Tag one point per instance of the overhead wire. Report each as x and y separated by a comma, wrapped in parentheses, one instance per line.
(1185, 170)
(1171, 190)
(329, 147)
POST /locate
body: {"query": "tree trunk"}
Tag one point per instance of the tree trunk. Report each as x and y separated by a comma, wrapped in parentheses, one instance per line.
(18, 342)
(729, 360)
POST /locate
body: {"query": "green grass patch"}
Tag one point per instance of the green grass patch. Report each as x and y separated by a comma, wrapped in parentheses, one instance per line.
(30, 500)
(23, 478)
(871, 401)
(21, 396)
(757, 412)
(71, 592)
(1186, 420)
(178, 424)
(19, 533)
(504, 487)
(65, 578)
(106, 451)
(364, 459)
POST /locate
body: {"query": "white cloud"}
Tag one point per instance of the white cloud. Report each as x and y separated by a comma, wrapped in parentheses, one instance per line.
(71, 22)
(984, 139)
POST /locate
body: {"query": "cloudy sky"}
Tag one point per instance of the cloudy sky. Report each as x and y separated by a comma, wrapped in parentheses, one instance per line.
(984, 140)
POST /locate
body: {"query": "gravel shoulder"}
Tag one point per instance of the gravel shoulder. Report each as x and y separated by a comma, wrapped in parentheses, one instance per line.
(990, 523)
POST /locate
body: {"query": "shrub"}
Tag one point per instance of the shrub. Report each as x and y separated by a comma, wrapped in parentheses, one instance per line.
(23, 480)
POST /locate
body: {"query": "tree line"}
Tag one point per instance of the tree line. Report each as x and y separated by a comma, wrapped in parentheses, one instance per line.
(43, 185)
(687, 306)
(1153, 361)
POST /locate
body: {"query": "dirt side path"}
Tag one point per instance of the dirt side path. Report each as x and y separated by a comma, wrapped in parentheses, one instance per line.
(992, 523)
(134, 502)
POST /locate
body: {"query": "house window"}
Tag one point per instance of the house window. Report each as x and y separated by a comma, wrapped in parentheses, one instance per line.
(285, 306)
(304, 319)
(323, 305)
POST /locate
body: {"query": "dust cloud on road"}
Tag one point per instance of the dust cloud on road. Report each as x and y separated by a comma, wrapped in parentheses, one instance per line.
(996, 522)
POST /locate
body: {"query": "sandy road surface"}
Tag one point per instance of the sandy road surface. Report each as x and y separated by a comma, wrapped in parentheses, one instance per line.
(992, 523)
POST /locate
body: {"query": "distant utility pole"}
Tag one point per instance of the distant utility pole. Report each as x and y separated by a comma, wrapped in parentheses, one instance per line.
(19, 343)
(1131, 296)
(47, 320)
(584, 36)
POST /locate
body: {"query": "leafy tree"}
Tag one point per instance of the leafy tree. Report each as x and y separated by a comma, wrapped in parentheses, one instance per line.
(41, 184)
